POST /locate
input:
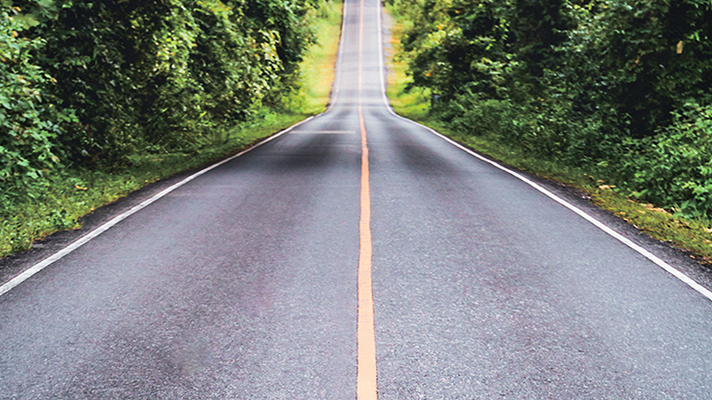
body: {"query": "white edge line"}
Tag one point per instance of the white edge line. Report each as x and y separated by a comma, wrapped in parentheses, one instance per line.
(600, 225)
(107, 225)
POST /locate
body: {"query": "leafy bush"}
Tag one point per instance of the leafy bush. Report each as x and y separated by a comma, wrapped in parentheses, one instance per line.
(597, 84)
(90, 84)
(164, 74)
(28, 122)
(674, 168)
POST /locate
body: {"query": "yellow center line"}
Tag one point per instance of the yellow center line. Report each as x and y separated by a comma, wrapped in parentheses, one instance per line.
(366, 383)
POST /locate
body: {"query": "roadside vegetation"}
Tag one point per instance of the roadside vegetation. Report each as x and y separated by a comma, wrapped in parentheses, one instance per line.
(613, 97)
(98, 99)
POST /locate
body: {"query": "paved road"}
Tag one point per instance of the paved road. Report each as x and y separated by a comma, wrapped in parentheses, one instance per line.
(242, 284)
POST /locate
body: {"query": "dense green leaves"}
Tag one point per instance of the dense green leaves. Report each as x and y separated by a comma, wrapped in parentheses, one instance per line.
(619, 87)
(675, 166)
(28, 123)
(92, 83)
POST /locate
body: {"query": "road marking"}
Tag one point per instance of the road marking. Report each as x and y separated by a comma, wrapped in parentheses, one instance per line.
(366, 379)
(107, 225)
(367, 374)
(598, 224)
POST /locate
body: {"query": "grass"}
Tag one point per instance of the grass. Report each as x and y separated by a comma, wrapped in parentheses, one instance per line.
(318, 67)
(67, 198)
(694, 236)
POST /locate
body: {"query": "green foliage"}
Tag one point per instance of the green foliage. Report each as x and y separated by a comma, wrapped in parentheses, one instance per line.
(89, 84)
(595, 84)
(164, 74)
(674, 168)
(28, 123)
(639, 60)
(220, 65)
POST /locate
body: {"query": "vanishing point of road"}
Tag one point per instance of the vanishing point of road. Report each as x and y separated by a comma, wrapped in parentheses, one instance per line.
(356, 255)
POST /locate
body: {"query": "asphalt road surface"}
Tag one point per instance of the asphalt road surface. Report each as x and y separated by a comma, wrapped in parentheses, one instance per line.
(253, 281)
